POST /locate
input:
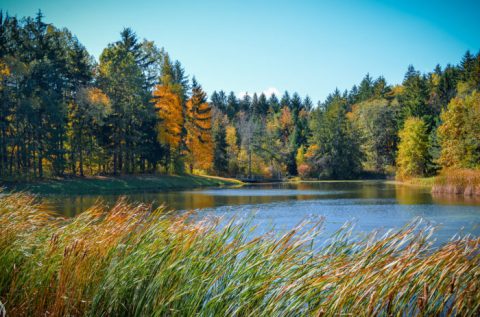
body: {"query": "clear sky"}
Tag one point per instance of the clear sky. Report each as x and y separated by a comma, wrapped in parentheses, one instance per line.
(307, 46)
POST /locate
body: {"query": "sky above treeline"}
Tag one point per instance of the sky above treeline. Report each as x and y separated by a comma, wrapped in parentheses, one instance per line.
(310, 47)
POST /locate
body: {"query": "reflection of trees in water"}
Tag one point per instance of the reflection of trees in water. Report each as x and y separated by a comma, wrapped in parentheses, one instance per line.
(409, 195)
(190, 200)
(452, 199)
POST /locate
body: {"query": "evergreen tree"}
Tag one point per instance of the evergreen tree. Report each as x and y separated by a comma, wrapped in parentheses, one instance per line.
(220, 157)
(273, 103)
(285, 101)
(262, 107)
(334, 146)
(307, 104)
(219, 101)
(296, 104)
(414, 98)
(366, 89)
(232, 105)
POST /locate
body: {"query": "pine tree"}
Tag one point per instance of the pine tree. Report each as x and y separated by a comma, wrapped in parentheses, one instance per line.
(232, 105)
(219, 101)
(366, 89)
(414, 98)
(273, 103)
(334, 151)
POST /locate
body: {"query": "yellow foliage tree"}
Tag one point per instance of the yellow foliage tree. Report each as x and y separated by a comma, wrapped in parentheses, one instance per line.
(198, 127)
(232, 148)
(169, 109)
(412, 155)
(460, 133)
(4, 74)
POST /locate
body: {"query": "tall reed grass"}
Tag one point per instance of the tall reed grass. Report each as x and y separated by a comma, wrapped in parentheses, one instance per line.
(135, 261)
(458, 182)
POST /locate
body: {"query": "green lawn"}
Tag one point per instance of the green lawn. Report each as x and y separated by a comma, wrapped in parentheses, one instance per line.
(99, 185)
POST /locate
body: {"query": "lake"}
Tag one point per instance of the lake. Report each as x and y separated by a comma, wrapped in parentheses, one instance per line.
(370, 205)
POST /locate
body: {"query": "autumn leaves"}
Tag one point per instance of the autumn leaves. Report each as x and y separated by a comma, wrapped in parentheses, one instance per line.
(185, 128)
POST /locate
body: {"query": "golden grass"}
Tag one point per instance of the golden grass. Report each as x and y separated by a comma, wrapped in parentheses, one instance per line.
(458, 182)
(135, 261)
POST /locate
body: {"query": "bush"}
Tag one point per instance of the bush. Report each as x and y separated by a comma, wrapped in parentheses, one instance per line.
(304, 171)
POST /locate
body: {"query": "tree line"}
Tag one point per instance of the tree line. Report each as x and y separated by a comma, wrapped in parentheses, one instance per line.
(136, 111)
(63, 113)
(428, 122)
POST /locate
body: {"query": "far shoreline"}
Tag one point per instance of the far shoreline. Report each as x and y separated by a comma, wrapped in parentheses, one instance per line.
(118, 184)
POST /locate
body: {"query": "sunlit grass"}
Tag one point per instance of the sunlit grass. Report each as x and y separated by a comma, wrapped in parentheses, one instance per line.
(135, 261)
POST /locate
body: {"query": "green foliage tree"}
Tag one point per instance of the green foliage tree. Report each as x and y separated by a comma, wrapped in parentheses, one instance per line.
(336, 150)
(376, 121)
(459, 133)
(414, 99)
(220, 157)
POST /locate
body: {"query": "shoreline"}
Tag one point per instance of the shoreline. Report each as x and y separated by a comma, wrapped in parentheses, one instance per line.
(423, 182)
(119, 184)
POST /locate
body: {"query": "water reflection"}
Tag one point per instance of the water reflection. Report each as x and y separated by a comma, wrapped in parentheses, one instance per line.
(373, 204)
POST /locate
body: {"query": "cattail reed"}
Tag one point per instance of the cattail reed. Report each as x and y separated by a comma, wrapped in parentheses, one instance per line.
(135, 261)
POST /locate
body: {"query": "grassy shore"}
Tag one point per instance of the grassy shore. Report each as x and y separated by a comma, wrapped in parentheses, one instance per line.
(120, 184)
(132, 261)
(465, 182)
(458, 182)
(426, 182)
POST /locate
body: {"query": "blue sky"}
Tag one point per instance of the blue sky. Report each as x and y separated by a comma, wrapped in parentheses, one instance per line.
(307, 46)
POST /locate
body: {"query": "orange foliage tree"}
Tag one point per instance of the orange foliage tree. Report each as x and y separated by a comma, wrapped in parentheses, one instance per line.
(169, 129)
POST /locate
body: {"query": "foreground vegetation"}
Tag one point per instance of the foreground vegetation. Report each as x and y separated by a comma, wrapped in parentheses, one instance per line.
(135, 261)
(131, 183)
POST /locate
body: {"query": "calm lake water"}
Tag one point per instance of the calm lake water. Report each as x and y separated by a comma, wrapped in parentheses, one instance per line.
(371, 205)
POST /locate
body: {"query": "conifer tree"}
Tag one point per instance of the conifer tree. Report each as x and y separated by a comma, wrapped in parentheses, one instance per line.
(220, 158)
(198, 125)
(171, 121)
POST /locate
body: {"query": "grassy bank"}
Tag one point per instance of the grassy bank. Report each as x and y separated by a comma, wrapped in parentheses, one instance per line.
(417, 181)
(100, 184)
(458, 182)
(132, 261)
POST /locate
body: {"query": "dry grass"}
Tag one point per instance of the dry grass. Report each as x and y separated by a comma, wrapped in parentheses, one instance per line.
(134, 261)
(458, 182)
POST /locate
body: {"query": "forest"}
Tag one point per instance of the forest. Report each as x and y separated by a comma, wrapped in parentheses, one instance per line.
(135, 110)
